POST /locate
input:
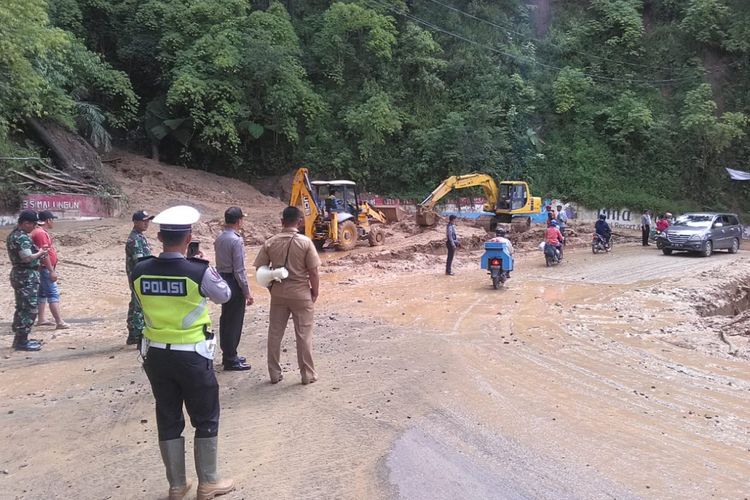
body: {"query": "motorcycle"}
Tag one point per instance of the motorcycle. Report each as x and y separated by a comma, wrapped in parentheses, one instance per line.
(498, 261)
(552, 255)
(600, 244)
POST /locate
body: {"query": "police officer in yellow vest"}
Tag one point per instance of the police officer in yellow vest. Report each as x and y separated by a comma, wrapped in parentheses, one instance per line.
(178, 348)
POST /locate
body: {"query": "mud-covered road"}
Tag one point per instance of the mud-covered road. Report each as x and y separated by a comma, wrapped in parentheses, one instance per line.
(561, 385)
(605, 377)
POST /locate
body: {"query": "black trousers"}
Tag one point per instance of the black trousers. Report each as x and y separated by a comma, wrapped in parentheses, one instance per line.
(645, 232)
(449, 262)
(231, 320)
(178, 378)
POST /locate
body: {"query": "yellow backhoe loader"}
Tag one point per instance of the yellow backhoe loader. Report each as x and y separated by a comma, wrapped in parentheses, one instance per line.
(334, 215)
(511, 201)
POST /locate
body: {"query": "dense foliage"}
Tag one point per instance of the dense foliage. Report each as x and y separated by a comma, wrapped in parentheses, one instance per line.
(609, 102)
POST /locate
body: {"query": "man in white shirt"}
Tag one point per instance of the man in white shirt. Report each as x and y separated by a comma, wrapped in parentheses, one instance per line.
(500, 238)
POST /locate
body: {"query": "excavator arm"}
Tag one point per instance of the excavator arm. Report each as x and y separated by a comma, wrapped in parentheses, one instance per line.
(303, 197)
(425, 213)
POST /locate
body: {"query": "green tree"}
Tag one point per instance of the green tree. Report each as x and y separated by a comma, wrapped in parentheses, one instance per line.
(44, 70)
(31, 53)
(571, 89)
(707, 135)
(706, 20)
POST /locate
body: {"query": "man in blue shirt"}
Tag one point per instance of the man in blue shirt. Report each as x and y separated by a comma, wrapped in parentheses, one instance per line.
(229, 249)
(451, 243)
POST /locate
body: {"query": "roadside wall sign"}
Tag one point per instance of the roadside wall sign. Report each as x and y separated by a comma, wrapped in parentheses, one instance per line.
(73, 206)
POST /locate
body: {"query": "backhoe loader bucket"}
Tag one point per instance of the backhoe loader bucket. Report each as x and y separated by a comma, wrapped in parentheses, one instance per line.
(426, 217)
(393, 213)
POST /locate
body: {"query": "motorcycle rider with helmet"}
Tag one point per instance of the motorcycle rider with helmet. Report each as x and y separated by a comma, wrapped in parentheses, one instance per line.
(602, 228)
(553, 237)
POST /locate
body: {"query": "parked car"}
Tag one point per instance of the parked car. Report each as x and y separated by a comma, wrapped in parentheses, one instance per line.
(702, 233)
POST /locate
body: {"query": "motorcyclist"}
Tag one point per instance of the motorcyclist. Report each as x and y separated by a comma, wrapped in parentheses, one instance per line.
(500, 238)
(602, 228)
(553, 236)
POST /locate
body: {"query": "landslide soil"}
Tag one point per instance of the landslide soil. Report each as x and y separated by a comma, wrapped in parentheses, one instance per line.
(604, 377)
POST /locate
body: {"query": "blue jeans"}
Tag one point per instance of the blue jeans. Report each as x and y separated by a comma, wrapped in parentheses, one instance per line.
(48, 291)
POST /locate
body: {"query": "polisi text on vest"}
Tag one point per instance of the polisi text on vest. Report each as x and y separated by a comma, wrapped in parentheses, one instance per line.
(163, 286)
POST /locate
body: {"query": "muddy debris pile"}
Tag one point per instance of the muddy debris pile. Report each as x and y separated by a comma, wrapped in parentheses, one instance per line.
(714, 308)
(409, 246)
(254, 233)
(154, 186)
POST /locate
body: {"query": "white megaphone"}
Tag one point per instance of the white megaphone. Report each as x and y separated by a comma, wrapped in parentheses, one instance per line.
(264, 275)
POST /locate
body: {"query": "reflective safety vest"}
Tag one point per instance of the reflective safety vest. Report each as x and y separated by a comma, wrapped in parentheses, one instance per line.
(169, 291)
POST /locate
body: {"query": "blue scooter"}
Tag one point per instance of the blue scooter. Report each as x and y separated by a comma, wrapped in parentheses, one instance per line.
(498, 261)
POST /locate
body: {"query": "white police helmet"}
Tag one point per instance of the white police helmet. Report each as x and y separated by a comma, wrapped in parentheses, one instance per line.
(179, 218)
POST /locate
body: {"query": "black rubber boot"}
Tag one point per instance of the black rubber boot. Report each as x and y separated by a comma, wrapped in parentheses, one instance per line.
(173, 455)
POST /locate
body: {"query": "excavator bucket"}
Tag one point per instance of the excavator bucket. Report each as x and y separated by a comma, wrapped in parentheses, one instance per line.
(426, 217)
(392, 213)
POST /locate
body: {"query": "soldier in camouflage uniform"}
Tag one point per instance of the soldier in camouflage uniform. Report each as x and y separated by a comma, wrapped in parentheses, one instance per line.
(24, 278)
(136, 247)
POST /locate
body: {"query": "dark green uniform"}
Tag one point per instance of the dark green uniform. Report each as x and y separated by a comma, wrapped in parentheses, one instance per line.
(24, 278)
(136, 247)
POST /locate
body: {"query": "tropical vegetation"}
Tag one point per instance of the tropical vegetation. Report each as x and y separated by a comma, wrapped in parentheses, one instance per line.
(638, 103)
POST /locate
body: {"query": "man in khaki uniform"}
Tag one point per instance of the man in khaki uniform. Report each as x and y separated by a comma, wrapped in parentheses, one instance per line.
(294, 295)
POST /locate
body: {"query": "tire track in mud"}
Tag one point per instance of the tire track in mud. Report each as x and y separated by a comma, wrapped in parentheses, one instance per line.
(625, 396)
(592, 407)
(463, 315)
(631, 265)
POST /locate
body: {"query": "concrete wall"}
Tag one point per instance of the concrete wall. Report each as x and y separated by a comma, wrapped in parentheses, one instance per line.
(69, 206)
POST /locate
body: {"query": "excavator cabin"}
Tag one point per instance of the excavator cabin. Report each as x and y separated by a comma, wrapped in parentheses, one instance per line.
(513, 198)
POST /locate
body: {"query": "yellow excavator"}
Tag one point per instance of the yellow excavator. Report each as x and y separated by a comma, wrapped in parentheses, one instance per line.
(510, 201)
(334, 215)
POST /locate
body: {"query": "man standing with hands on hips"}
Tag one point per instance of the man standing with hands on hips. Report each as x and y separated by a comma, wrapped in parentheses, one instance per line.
(178, 347)
(24, 278)
(229, 249)
(295, 295)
